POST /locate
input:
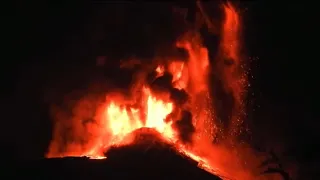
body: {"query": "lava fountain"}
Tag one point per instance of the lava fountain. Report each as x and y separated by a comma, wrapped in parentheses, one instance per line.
(173, 98)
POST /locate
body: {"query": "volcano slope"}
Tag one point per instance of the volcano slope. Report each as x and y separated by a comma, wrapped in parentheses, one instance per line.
(148, 157)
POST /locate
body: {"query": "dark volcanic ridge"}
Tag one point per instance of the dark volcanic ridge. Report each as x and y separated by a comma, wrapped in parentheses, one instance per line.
(148, 157)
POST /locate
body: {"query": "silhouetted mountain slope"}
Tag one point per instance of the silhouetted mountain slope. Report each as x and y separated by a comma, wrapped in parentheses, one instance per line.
(148, 158)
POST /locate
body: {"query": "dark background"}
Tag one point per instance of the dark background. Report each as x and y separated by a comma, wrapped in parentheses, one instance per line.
(46, 45)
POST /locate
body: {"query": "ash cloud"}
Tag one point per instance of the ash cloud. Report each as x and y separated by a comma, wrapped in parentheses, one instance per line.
(180, 97)
(185, 127)
(184, 123)
(181, 116)
(163, 83)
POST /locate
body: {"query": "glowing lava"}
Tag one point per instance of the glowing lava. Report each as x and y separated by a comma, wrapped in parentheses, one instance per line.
(176, 103)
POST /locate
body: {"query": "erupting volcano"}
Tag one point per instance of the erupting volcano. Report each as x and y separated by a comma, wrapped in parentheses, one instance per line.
(172, 97)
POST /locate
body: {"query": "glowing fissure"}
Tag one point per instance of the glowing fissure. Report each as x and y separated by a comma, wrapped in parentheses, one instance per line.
(188, 125)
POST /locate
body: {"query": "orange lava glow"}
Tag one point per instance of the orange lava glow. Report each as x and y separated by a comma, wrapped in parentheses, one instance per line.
(150, 106)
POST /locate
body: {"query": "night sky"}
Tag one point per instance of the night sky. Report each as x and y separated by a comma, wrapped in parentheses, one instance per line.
(48, 45)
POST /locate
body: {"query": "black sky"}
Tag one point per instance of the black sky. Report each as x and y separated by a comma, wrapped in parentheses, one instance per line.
(48, 44)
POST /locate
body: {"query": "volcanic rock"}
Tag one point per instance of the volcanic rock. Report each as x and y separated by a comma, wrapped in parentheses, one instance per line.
(149, 157)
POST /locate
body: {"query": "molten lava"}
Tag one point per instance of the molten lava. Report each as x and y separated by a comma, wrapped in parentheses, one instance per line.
(175, 101)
